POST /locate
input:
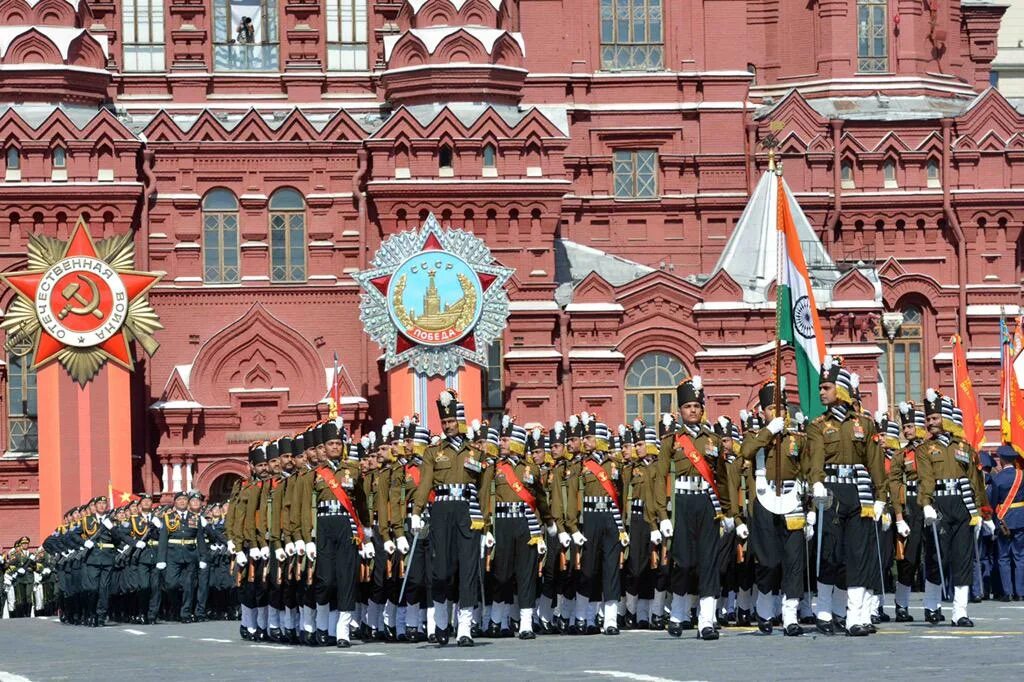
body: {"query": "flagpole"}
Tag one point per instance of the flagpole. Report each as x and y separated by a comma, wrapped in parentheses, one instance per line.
(952, 340)
(777, 170)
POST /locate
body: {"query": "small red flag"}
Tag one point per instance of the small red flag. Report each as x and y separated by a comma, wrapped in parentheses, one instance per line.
(974, 428)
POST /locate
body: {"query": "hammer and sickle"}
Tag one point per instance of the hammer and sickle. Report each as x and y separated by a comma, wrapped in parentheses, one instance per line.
(72, 294)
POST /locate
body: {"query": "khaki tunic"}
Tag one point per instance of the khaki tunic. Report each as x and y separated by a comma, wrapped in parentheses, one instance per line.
(443, 464)
(673, 461)
(956, 460)
(830, 441)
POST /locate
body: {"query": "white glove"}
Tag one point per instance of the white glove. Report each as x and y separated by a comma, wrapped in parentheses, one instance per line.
(289, 549)
(311, 550)
(552, 529)
(655, 537)
(140, 545)
(728, 524)
(402, 544)
(542, 548)
(300, 548)
(202, 565)
(624, 539)
(37, 579)
(390, 547)
(240, 559)
(879, 509)
(46, 571)
(812, 518)
(367, 532)
(416, 523)
(742, 532)
(89, 544)
(231, 546)
(808, 531)
(21, 571)
(488, 540)
(776, 425)
(579, 538)
(280, 554)
(8, 579)
(367, 552)
(886, 522)
(666, 528)
(819, 493)
(989, 525)
(161, 565)
(108, 524)
(930, 517)
(265, 552)
(254, 552)
(903, 528)
(564, 539)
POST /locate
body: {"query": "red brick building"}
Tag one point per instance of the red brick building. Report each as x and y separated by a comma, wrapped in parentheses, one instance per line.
(261, 150)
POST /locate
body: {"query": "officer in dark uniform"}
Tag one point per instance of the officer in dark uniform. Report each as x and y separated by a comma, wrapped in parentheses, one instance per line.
(145, 536)
(1008, 502)
(100, 537)
(181, 553)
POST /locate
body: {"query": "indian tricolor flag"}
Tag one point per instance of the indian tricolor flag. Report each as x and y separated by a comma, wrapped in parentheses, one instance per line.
(795, 313)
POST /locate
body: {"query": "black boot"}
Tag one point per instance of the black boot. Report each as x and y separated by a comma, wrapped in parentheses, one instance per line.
(825, 627)
(903, 615)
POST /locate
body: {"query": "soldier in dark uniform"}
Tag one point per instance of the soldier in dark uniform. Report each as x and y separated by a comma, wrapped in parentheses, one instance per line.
(19, 574)
(181, 553)
(779, 522)
(1008, 504)
(951, 485)
(100, 537)
(903, 491)
(452, 471)
(689, 461)
(145, 537)
(847, 475)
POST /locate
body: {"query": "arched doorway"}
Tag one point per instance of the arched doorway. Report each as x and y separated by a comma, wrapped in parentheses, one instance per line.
(651, 382)
(220, 489)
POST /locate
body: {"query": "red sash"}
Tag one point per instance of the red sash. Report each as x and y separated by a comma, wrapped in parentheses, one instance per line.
(684, 443)
(602, 477)
(524, 494)
(414, 474)
(327, 476)
(1010, 496)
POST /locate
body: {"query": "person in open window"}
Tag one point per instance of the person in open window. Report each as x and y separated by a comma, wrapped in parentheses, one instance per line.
(246, 33)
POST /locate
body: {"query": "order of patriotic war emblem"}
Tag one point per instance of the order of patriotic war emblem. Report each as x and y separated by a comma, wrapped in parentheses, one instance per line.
(434, 298)
(81, 301)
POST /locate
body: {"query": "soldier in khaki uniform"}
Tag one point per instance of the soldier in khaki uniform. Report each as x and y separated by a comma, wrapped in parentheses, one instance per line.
(953, 500)
(279, 624)
(847, 475)
(416, 597)
(903, 494)
(639, 455)
(779, 523)
(452, 471)
(690, 462)
(242, 534)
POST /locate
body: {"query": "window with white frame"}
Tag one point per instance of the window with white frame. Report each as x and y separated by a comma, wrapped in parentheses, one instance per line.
(872, 36)
(245, 35)
(142, 24)
(347, 48)
(632, 35)
(22, 432)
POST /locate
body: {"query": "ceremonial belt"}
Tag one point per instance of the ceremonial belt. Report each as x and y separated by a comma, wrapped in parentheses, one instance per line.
(181, 541)
(524, 494)
(153, 543)
(858, 475)
(1009, 503)
(346, 502)
(684, 443)
(104, 545)
(462, 492)
(949, 487)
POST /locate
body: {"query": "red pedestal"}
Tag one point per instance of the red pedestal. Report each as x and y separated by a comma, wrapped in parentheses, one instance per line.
(411, 393)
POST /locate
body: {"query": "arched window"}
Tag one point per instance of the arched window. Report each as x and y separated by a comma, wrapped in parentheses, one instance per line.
(889, 175)
(846, 175)
(631, 35)
(489, 156)
(651, 386)
(12, 158)
(22, 434)
(444, 157)
(60, 157)
(287, 236)
(220, 237)
(347, 47)
(908, 357)
(245, 35)
(872, 36)
(932, 172)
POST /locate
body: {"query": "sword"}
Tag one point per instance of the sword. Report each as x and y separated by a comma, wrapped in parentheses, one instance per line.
(938, 557)
(408, 565)
(821, 534)
(881, 571)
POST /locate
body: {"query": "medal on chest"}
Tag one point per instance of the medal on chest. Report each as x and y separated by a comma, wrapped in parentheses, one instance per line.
(858, 430)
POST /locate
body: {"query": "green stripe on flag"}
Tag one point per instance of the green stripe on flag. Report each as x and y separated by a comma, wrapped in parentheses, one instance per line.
(806, 372)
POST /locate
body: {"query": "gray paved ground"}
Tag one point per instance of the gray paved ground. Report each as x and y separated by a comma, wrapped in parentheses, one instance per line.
(40, 650)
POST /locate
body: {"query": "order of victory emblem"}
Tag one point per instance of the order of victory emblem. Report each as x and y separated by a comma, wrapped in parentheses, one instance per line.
(434, 298)
(80, 302)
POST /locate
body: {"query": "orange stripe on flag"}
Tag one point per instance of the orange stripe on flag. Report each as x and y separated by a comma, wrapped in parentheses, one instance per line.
(787, 226)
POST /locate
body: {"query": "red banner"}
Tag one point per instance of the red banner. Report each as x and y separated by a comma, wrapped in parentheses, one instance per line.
(966, 400)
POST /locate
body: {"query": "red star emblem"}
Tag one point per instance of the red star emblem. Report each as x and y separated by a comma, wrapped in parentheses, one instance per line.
(81, 301)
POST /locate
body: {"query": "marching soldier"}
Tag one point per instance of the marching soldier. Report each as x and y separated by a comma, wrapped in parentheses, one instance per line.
(282, 468)
(951, 486)
(848, 482)
(181, 552)
(689, 464)
(779, 523)
(100, 538)
(889, 438)
(639, 454)
(903, 493)
(452, 471)
(145, 536)
(242, 535)
(417, 566)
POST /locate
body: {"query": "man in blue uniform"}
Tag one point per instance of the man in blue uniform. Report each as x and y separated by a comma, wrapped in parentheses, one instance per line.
(1008, 503)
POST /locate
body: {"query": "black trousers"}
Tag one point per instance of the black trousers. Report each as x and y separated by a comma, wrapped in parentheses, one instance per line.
(781, 553)
(96, 581)
(695, 546)
(601, 556)
(454, 553)
(378, 592)
(956, 541)
(549, 576)
(907, 567)
(640, 577)
(848, 554)
(514, 562)
(417, 568)
(336, 576)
